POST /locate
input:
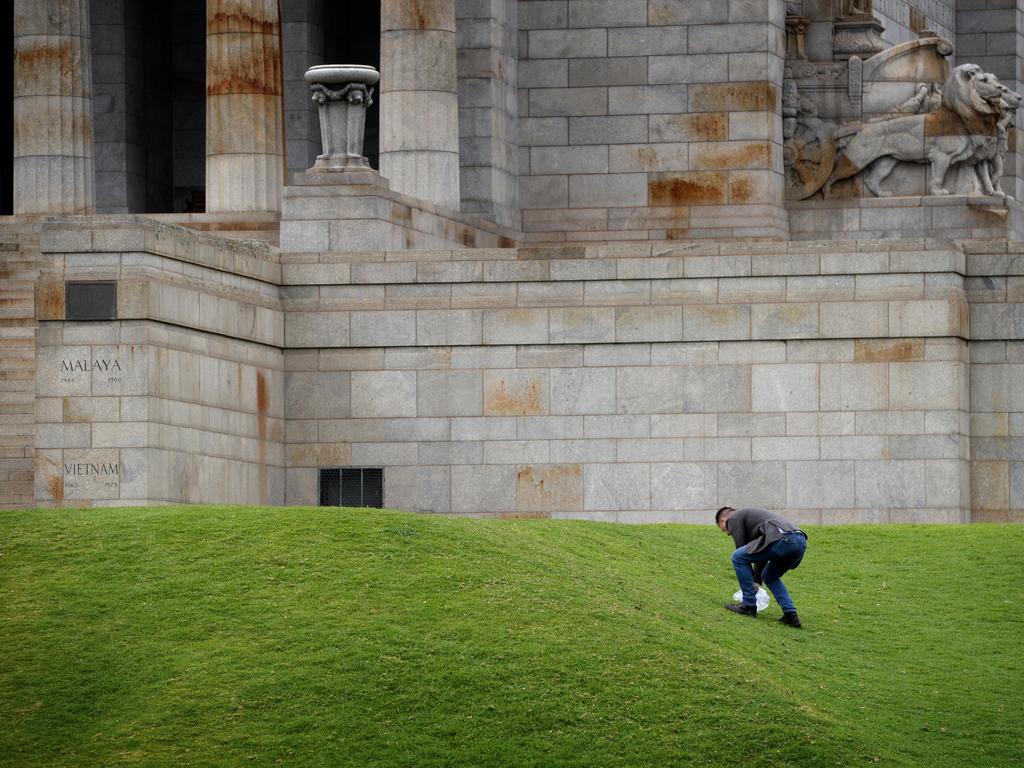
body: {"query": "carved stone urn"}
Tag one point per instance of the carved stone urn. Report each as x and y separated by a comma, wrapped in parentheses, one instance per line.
(343, 91)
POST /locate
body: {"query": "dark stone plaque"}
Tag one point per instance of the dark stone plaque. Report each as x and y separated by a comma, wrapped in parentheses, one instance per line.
(91, 301)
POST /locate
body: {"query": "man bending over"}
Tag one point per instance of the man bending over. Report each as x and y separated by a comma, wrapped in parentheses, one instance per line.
(769, 540)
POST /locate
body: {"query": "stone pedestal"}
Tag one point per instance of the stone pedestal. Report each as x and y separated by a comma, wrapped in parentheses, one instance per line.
(952, 217)
(419, 131)
(858, 35)
(343, 92)
(244, 156)
(356, 210)
(53, 132)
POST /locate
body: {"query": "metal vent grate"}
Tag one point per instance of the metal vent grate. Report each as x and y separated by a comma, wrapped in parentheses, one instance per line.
(90, 301)
(352, 487)
(330, 487)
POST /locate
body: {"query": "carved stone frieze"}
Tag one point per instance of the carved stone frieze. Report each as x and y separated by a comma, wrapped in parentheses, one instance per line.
(855, 8)
(796, 31)
(809, 148)
(353, 93)
(962, 127)
(857, 37)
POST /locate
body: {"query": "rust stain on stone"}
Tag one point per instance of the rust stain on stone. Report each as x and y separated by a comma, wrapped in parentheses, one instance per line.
(504, 400)
(467, 237)
(401, 214)
(917, 20)
(741, 190)
(678, 233)
(734, 155)
(56, 485)
(238, 17)
(549, 488)
(262, 393)
(50, 301)
(662, 14)
(235, 82)
(253, 67)
(686, 189)
(506, 242)
(34, 64)
(888, 351)
(734, 97)
(417, 14)
(700, 126)
(71, 414)
(421, 14)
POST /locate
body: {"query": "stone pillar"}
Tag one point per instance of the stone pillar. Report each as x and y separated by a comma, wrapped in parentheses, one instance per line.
(488, 109)
(53, 135)
(244, 157)
(419, 130)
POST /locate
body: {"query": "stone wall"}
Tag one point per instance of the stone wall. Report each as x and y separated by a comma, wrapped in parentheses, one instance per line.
(323, 218)
(995, 287)
(486, 36)
(18, 271)
(642, 385)
(990, 33)
(178, 400)
(845, 381)
(904, 19)
(954, 217)
(654, 120)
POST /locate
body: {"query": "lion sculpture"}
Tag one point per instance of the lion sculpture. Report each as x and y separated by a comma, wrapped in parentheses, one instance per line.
(1008, 111)
(963, 129)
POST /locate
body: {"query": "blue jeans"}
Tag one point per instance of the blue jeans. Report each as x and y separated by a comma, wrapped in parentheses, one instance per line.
(784, 554)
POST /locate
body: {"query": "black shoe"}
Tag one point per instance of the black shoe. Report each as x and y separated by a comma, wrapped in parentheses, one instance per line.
(790, 619)
(743, 610)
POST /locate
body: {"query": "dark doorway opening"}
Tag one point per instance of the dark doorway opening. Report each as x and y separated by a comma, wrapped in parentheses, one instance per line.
(358, 44)
(149, 105)
(7, 122)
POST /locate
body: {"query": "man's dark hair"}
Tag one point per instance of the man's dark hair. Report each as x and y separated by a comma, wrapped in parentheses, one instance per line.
(720, 512)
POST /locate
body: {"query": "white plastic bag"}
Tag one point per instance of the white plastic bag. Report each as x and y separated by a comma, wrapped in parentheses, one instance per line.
(761, 600)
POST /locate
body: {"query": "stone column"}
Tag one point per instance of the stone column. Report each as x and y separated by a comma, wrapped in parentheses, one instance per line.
(419, 129)
(488, 153)
(244, 157)
(53, 137)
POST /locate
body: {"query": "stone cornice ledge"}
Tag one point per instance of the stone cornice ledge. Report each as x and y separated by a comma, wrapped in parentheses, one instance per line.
(141, 234)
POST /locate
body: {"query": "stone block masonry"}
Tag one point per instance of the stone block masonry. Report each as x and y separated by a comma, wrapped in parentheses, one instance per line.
(178, 400)
(18, 272)
(644, 383)
(845, 381)
(651, 121)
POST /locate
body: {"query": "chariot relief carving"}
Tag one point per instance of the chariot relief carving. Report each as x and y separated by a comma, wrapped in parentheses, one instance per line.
(872, 111)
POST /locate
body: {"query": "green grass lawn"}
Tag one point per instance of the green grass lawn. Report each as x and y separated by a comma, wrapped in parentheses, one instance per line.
(223, 636)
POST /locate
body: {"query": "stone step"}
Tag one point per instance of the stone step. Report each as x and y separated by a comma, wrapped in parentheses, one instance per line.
(16, 285)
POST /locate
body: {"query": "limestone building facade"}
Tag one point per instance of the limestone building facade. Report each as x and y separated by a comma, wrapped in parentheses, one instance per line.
(623, 260)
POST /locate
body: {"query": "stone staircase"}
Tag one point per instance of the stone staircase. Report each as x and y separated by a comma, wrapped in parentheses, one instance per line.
(19, 269)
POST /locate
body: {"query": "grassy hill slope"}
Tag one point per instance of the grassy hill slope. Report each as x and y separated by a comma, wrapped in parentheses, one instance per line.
(221, 636)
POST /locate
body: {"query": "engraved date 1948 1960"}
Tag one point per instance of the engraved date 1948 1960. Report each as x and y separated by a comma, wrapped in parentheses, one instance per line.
(69, 369)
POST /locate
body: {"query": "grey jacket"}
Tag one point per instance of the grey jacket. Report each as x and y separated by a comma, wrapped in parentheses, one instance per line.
(757, 528)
